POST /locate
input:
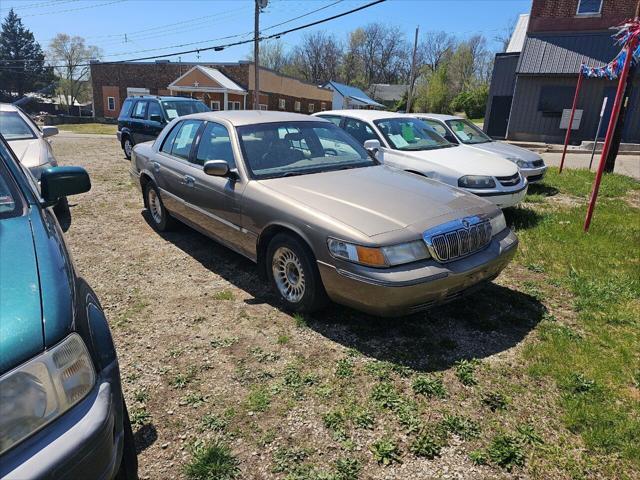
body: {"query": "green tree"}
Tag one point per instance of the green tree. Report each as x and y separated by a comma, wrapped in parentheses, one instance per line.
(22, 62)
(435, 95)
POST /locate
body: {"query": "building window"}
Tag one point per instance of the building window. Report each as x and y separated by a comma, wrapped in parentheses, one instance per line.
(323, 106)
(215, 105)
(589, 7)
(296, 106)
(312, 107)
(282, 104)
(111, 103)
(233, 106)
(554, 99)
(263, 106)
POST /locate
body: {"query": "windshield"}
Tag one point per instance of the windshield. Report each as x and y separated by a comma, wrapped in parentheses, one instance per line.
(410, 134)
(13, 127)
(273, 150)
(179, 108)
(10, 205)
(467, 132)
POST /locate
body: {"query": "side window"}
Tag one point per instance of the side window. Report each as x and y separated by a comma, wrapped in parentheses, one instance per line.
(215, 144)
(140, 110)
(359, 130)
(168, 141)
(126, 107)
(441, 130)
(154, 109)
(332, 118)
(184, 140)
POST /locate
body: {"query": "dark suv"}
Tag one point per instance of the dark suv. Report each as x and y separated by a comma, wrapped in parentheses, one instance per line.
(143, 118)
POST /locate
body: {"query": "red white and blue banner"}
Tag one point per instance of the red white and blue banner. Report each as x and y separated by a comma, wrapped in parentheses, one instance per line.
(628, 35)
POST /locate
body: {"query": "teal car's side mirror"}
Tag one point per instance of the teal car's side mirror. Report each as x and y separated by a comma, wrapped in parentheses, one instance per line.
(58, 182)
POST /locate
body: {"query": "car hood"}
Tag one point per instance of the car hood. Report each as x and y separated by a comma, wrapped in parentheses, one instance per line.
(21, 328)
(465, 161)
(507, 150)
(377, 200)
(31, 153)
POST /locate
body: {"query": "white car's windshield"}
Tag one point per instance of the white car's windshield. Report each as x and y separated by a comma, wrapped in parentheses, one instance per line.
(467, 132)
(13, 127)
(410, 134)
(282, 149)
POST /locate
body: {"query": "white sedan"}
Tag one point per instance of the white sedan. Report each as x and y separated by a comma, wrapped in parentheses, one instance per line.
(409, 144)
(460, 130)
(29, 144)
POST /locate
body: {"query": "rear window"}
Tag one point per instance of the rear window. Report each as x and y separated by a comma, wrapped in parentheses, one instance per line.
(10, 204)
(13, 127)
(179, 108)
(126, 108)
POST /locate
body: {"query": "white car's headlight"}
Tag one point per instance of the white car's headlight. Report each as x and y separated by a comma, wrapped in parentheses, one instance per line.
(42, 389)
(379, 256)
(498, 224)
(520, 162)
(476, 181)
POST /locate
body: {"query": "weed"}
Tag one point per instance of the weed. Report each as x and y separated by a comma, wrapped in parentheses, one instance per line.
(344, 368)
(408, 416)
(478, 457)
(139, 416)
(428, 386)
(528, 434)
(636, 379)
(379, 370)
(296, 381)
(535, 267)
(213, 422)
(223, 295)
(362, 418)
(194, 399)
(299, 320)
(335, 422)
(427, 444)
(495, 401)
(287, 459)
(506, 451)
(181, 380)
(220, 342)
(461, 426)
(465, 370)
(212, 461)
(348, 469)
(262, 356)
(174, 352)
(385, 395)
(385, 451)
(578, 383)
(283, 339)
(259, 399)
(141, 396)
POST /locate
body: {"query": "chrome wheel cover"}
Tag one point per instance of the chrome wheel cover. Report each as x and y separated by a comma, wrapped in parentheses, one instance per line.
(155, 207)
(288, 274)
(127, 147)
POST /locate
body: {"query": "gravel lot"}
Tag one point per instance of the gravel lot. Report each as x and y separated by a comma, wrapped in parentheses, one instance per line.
(199, 337)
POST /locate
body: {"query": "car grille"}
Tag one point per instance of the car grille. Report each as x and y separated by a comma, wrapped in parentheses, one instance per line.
(461, 242)
(534, 178)
(509, 181)
(538, 163)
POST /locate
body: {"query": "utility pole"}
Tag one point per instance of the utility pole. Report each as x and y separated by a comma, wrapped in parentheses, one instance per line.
(413, 73)
(260, 4)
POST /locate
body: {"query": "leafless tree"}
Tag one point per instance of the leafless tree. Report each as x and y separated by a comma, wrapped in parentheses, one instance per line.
(435, 48)
(504, 37)
(317, 59)
(272, 55)
(70, 58)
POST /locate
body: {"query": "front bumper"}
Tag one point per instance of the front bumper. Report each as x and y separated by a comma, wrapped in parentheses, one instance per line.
(85, 442)
(407, 289)
(534, 174)
(503, 199)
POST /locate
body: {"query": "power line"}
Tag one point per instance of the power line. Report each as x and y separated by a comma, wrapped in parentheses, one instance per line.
(74, 9)
(39, 5)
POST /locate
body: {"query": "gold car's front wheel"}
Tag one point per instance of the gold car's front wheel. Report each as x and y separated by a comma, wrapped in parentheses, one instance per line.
(294, 275)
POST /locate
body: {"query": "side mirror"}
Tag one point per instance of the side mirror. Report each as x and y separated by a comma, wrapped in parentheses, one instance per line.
(49, 131)
(155, 118)
(216, 168)
(372, 145)
(58, 182)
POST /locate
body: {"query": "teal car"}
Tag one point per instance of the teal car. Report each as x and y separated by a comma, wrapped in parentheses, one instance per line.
(62, 411)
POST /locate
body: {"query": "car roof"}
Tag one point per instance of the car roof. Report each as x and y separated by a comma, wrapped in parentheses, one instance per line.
(7, 107)
(164, 98)
(436, 116)
(366, 115)
(251, 117)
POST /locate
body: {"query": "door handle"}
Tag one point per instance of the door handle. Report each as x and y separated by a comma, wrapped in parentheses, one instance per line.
(156, 167)
(188, 180)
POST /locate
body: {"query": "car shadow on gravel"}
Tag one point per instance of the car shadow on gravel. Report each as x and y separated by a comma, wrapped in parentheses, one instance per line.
(488, 321)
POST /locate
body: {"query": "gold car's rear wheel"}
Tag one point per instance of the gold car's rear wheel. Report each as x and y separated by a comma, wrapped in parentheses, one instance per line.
(294, 274)
(161, 220)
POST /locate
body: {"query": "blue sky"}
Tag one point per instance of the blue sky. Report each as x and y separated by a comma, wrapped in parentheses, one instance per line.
(165, 24)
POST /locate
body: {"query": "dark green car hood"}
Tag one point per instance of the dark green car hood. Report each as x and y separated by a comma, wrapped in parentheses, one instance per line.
(36, 287)
(21, 334)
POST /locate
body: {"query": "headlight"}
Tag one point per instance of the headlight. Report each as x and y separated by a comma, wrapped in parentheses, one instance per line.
(476, 181)
(498, 224)
(378, 256)
(42, 389)
(520, 162)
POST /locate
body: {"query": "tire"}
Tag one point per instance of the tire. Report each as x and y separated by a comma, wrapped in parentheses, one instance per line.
(128, 469)
(294, 275)
(127, 146)
(160, 218)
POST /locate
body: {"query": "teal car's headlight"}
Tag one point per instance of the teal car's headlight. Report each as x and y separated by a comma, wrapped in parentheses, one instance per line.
(476, 181)
(42, 389)
(498, 224)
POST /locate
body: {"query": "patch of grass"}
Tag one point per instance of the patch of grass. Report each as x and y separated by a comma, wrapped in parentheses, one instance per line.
(506, 451)
(465, 370)
(578, 383)
(259, 399)
(296, 381)
(213, 422)
(344, 368)
(478, 457)
(283, 339)
(383, 370)
(139, 416)
(211, 461)
(262, 356)
(194, 399)
(99, 128)
(427, 444)
(578, 182)
(429, 386)
(463, 427)
(222, 342)
(528, 434)
(286, 460)
(335, 421)
(141, 395)
(385, 395)
(636, 379)
(299, 320)
(362, 418)
(347, 469)
(495, 401)
(385, 451)
(223, 295)
(181, 380)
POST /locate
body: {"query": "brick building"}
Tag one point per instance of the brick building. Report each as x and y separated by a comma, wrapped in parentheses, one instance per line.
(222, 86)
(534, 81)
